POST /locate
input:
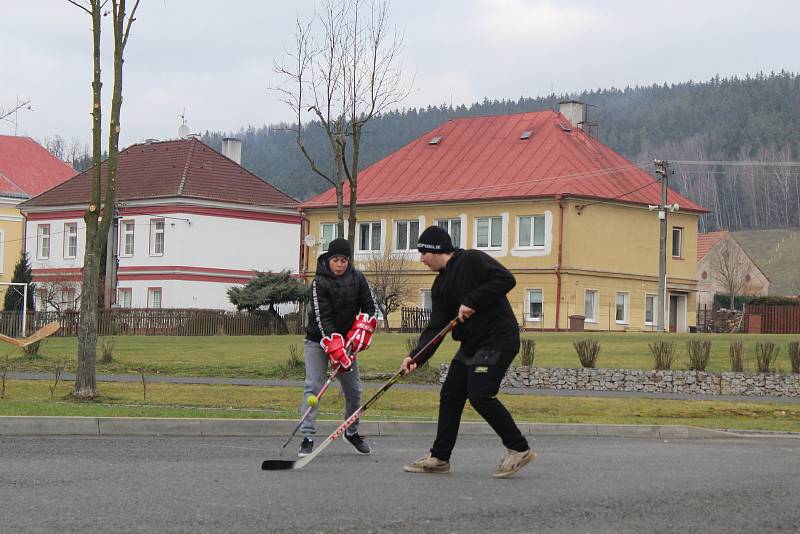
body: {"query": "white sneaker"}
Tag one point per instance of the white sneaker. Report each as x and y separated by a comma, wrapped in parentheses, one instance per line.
(513, 461)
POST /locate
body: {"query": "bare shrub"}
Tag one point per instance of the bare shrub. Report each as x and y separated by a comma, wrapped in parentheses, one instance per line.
(107, 348)
(736, 353)
(766, 354)
(411, 344)
(794, 356)
(527, 352)
(588, 350)
(295, 360)
(142, 373)
(33, 348)
(699, 354)
(663, 354)
(5, 366)
(57, 366)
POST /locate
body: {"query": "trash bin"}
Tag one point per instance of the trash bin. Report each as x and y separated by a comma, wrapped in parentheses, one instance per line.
(576, 323)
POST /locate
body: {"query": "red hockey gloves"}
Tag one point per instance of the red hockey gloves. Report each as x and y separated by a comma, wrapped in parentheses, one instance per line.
(360, 333)
(334, 348)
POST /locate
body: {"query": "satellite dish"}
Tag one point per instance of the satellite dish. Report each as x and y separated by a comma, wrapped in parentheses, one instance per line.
(183, 131)
(310, 240)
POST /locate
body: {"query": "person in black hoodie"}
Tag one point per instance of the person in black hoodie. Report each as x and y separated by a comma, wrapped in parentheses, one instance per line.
(472, 286)
(341, 320)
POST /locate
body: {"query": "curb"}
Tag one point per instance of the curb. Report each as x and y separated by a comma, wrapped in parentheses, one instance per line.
(199, 427)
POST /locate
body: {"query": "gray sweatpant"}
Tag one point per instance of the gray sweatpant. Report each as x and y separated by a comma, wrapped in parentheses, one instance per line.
(316, 374)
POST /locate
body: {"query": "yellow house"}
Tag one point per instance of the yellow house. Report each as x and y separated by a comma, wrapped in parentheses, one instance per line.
(26, 170)
(568, 216)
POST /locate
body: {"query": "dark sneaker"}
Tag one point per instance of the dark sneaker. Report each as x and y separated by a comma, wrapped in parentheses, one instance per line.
(427, 464)
(358, 442)
(306, 446)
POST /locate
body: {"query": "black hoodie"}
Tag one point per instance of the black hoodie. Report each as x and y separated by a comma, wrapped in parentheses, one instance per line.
(334, 301)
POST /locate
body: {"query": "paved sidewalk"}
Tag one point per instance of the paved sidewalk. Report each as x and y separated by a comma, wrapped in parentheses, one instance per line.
(431, 387)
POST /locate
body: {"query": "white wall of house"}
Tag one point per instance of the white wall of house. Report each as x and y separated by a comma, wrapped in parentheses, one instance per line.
(202, 254)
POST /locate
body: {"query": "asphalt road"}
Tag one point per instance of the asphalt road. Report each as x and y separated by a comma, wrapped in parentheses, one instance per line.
(130, 484)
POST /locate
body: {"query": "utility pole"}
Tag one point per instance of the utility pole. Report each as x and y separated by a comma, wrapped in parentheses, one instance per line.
(662, 169)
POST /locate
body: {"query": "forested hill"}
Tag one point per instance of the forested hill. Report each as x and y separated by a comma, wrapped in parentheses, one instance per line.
(732, 119)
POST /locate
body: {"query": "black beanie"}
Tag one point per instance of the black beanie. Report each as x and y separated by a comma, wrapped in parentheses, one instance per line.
(339, 247)
(435, 239)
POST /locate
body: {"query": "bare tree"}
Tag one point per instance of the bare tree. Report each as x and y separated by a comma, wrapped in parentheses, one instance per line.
(387, 274)
(59, 293)
(730, 267)
(56, 146)
(344, 71)
(97, 226)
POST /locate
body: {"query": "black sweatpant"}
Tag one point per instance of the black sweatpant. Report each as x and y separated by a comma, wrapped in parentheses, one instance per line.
(479, 384)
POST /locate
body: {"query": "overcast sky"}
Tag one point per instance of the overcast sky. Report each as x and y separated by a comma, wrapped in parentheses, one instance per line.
(215, 58)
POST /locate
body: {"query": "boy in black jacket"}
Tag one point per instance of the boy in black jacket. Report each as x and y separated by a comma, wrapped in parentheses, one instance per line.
(472, 286)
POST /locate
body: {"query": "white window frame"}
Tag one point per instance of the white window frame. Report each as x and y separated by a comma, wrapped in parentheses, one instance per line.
(124, 232)
(425, 298)
(67, 298)
(679, 231)
(151, 292)
(528, 315)
(447, 224)
(154, 233)
(407, 246)
(595, 305)
(70, 240)
(534, 222)
(334, 233)
(654, 311)
(124, 291)
(40, 297)
(626, 307)
(490, 235)
(43, 242)
(372, 227)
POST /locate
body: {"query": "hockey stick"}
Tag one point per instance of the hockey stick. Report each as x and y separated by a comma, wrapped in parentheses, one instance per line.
(319, 395)
(277, 465)
(43, 332)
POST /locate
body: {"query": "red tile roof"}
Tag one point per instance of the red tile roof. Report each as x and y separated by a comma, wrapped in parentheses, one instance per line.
(186, 168)
(484, 158)
(706, 241)
(27, 168)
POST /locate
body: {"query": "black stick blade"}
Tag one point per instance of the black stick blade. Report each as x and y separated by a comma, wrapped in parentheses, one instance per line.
(277, 465)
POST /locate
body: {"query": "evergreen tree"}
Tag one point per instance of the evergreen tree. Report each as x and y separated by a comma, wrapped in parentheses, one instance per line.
(22, 274)
(268, 289)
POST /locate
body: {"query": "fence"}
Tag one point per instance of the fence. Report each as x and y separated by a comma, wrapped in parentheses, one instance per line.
(777, 319)
(414, 319)
(160, 322)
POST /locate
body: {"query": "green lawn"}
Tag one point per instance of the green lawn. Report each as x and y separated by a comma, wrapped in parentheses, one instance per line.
(266, 356)
(179, 400)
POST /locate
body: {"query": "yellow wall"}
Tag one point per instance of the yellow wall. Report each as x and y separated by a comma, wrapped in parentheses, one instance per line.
(608, 247)
(11, 226)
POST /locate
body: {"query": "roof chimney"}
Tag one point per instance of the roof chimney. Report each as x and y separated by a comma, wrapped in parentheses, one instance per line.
(232, 149)
(574, 112)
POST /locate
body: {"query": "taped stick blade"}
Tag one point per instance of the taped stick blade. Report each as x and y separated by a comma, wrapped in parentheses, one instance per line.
(277, 465)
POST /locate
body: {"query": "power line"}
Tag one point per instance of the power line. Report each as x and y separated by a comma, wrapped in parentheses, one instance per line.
(744, 163)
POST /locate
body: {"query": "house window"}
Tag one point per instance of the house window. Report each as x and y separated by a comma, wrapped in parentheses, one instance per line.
(156, 237)
(649, 309)
(154, 297)
(328, 232)
(43, 241)
(677, 242)
(70, 240)
(425, 299)
(490, 232)
(406, 235)
(67, 299)
(369, 235)
(531, 231)
(124, 297)
(621, 315)
(534, 307)
(126, 238)
(590, 302)
(453, 227)
(41, 299)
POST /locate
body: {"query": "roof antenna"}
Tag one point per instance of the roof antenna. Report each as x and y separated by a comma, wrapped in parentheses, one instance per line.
(183, 130)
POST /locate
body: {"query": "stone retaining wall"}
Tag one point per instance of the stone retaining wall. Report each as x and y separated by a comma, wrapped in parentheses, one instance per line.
(675, 381)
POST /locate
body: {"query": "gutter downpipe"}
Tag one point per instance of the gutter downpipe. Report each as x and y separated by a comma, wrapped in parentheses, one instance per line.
(303, 263)
(559, 198)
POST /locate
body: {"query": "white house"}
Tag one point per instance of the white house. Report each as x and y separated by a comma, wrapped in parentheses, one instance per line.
(191, 223)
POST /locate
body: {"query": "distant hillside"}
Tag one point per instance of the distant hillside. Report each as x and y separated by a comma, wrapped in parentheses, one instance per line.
(777, 253)
(751, 118)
